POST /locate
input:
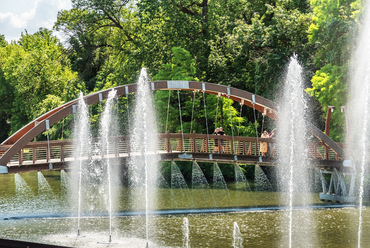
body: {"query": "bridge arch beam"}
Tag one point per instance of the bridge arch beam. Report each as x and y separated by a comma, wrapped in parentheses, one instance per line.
(18, 140)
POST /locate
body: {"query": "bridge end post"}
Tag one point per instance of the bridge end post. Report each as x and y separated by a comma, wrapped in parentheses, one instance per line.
(327, 128)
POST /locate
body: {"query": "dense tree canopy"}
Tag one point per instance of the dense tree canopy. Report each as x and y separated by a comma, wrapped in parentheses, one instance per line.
(35, 78)
(333, 28)
(240, 43)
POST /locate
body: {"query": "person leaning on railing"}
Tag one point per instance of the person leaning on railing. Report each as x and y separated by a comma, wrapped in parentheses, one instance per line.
(263, 145)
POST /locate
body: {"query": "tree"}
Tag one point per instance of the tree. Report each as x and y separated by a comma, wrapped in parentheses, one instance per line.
(180, 68)
(333, 27)
(329, 87)
(96, 30)
(3, 42)
(34, 71)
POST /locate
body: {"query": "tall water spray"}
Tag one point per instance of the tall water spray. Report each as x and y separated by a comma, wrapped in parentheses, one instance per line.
(143, 145)
(185, 233)
(358, 111)
(109, 132)
(291, 137)
(81, 145)
(237, 237)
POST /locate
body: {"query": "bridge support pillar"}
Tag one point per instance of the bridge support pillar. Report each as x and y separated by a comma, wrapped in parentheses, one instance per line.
(341, 184)
(3, 169)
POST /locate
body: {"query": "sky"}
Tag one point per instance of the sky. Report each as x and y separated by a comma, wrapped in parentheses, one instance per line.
(16, 16)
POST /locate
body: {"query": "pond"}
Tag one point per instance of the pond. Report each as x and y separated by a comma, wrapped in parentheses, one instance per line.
(44, 213)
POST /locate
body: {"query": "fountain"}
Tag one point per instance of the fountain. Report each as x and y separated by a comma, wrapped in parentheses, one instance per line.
(65, 184)
(240, 178)
(82, 141)
(358, 115)
(242, 186)
(199, 183)
(108, 132)
(22, 189)
(185, 233)
(179, 186)
(143, 144)
(220, 191)
(237, 237)
(292, 162)
(261, 182)
(43, 186)
(218, 179)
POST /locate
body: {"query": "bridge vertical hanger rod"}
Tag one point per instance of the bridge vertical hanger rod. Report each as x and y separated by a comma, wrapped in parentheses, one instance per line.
(218, 98)
(205, 113)
(240, 116)
(231, 122)
(182, 133)
(168, 108)
(192, 113)
(255, 125)
(47, 124)
(263, 119)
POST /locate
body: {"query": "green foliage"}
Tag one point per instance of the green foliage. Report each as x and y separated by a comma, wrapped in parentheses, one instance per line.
(333, 27)
(100, 35)
(185, 167)
(244, 44)
(330, 89)
(180, 68)
(252, 55)
(35, 74)
(3, 42)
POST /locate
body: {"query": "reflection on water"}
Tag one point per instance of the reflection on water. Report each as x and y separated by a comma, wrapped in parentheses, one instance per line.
(258, 227)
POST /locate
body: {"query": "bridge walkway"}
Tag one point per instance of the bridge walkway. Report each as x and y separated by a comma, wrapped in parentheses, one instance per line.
(58, 154)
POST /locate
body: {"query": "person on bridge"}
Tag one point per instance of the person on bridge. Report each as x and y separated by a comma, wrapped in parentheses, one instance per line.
(222, 133)
(216, 140)
(263, 145)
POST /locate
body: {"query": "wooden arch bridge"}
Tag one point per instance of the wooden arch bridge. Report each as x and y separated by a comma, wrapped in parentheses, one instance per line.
(19, 154)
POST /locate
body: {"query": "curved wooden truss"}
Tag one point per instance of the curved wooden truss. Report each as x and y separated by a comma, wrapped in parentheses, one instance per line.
(22, 137)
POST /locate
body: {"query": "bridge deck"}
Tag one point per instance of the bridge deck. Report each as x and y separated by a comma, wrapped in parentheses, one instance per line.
(57, 164)
(199, 147)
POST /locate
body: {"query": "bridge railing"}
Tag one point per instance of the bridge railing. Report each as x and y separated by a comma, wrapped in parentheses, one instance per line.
(62, 150)
(203, 143)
